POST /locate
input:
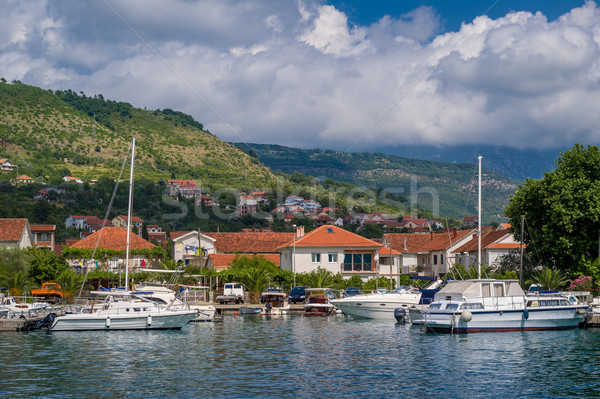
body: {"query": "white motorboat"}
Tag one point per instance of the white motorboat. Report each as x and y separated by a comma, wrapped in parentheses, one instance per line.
(379, 305)
(9, 304)
(276, 304)
(488, 305)
(167, 297)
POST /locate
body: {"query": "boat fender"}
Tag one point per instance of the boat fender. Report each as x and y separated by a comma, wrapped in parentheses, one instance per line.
(581, 311)
(466, 316)
(149, 320)
(526, 314)
(108, 322)
(400, 315)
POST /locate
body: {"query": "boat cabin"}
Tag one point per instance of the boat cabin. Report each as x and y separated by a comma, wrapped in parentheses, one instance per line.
(482, 293)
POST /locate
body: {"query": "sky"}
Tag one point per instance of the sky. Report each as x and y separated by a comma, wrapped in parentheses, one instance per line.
(349, 75)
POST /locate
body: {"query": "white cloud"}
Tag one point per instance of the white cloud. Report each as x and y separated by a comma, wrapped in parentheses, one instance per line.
(300, 74)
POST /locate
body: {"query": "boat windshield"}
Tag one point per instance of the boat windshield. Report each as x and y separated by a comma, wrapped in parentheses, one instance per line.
(400, 289)
(475, 305)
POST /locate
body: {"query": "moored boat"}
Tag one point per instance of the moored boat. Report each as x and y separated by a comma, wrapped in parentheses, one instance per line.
(488, 305)
(275, 304)
(317, 303)
(381, 305)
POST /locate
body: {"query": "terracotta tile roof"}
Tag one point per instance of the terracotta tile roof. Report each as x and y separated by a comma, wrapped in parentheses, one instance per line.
(385, 251)
(333, 236)
(71, 241)
(444, 240)
(506, 245)
(133, 218)
(487, 238)
(23, 177)
(113, 238)
(42, 227)
(257, 242)
(12, 229)
(3, 160)
(223, 260)
(176, 234)
(414, 242)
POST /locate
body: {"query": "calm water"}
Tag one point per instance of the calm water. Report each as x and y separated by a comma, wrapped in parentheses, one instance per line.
(299, 357)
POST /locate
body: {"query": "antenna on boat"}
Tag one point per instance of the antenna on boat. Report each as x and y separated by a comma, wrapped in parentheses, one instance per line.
(129, 206)
(479, 224)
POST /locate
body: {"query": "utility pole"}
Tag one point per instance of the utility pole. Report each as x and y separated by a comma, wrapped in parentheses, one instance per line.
(522, 230)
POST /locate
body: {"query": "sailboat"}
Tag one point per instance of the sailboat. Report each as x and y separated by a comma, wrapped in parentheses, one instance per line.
(123, 309)
(489, 305)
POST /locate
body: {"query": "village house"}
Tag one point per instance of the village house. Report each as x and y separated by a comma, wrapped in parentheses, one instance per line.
(136, 223)
(408, 245)
(113, 238)
(437, 256)
(192, 247)
(15, 233)
(470, 222)
(6, 165)
(250, 243)
(44, 235)
(494, 244)
(23, 179)
(155, 233)
(185, 188)
(73, 179)
(246, 205)
(416, 223)
(334, 249)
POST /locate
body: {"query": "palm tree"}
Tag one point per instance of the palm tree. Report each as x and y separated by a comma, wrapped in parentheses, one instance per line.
(70, 283)
(255, 279)
(320, 278)
(549, 279)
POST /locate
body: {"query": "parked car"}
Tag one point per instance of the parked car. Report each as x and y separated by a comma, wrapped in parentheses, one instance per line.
(297, 294)
(351, 291)
(269, 289)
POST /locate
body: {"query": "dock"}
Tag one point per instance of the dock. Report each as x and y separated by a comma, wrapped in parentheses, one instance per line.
(25, 320)
(232, 309)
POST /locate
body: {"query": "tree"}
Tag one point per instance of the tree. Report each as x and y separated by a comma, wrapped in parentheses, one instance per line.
(562, 211)
(45, 265)
(14, 270)
(549, 279)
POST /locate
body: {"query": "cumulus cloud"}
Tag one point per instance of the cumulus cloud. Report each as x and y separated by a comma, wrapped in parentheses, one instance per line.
(300, 74)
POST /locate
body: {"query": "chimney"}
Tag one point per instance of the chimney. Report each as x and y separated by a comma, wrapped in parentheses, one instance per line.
(299, 232)
(454, 233)
(431, 235)
(405, 244)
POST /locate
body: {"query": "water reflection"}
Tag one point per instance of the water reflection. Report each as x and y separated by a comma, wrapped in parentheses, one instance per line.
(300, 357)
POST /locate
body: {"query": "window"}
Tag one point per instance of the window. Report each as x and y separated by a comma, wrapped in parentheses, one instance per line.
(332, 258)
(441, 259)
(361, 262)
(316, 258)
(435, 259)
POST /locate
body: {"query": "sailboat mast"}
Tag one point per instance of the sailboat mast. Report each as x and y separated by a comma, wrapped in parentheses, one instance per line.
(129, 206)
(479, 224)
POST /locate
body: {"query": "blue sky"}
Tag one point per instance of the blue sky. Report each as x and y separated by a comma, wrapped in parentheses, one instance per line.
(348, 75)
(452, 13)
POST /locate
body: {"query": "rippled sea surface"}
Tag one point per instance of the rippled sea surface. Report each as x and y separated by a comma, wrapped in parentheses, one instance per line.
(295, 356)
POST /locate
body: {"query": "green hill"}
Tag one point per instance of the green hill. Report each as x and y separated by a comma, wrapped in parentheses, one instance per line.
(52, 134)
(455, 185)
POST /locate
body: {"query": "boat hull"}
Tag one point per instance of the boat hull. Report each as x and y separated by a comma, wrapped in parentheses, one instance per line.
(100, 321)
(376, 306)
(507, 320)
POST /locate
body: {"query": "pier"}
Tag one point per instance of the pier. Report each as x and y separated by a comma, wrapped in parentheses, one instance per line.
(25, 320)
(232, 309)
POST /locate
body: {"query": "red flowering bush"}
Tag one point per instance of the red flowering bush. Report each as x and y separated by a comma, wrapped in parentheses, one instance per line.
(581, 283)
